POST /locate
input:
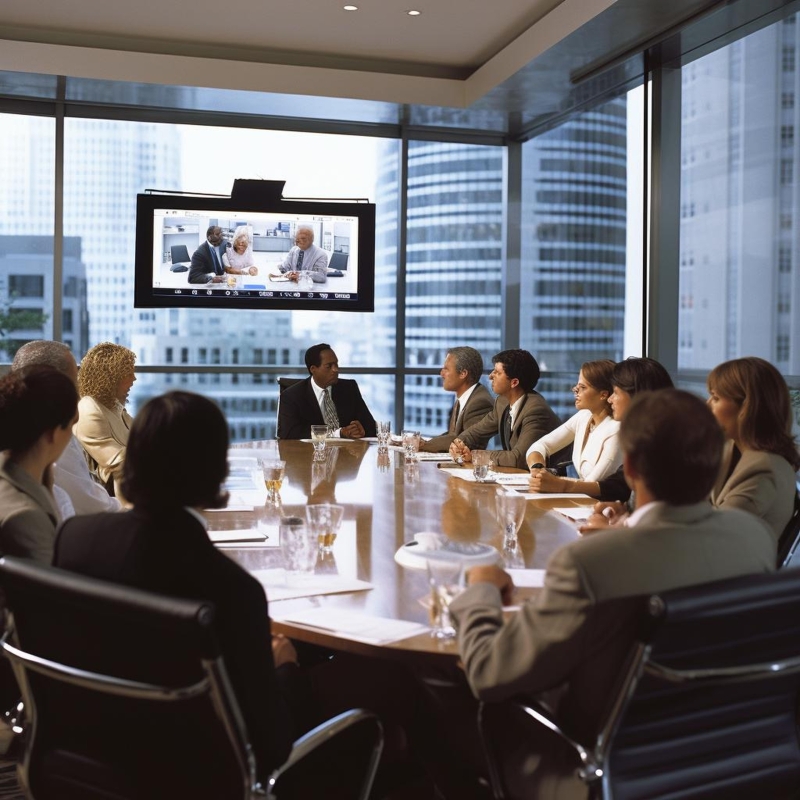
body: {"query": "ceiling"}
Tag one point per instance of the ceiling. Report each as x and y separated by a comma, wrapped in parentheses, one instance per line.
(511, 56)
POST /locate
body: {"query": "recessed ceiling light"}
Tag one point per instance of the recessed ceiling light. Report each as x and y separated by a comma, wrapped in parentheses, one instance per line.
(413, 13)
(350, 8)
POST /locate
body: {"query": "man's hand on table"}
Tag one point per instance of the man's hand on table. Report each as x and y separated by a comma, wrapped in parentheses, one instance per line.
(497, 577)
(460, 452)
(355, 430)
(605, 515)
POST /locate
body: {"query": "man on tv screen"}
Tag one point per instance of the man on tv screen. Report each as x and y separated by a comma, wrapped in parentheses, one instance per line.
(207, 259)
(305, 256)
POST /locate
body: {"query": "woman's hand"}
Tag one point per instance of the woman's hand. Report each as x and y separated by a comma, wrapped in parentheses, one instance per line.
(543, 481)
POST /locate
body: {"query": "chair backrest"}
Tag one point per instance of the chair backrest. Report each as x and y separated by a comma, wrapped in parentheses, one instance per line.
(705, 708)
(125, 692)
(179, 253)
(285, 383)
(790, 538)
(338, 261)
(708, 706)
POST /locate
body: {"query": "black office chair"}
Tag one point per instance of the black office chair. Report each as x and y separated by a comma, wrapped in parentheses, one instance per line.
(180, 258)
(285, 383)
(706, 707)
(790, 538)
(126, 696)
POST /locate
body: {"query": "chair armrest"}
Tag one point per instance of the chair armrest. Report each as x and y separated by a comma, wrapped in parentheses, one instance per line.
(323, 733)
(538, 713)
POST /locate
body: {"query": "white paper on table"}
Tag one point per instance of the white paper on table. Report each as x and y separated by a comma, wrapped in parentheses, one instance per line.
(334, 440)
(513, 479)
(435, 457)
(576, 513)
(280, 587)
(355, 625)
(237, 536)
(554, 496)
(527, 578)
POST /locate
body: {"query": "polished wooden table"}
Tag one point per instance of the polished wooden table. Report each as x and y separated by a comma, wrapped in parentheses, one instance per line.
(386, 503)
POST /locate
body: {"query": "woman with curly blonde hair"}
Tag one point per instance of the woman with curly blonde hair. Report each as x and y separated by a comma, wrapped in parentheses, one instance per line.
(104, 381)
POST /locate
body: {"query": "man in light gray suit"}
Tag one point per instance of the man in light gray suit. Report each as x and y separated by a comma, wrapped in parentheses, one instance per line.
(461, 374)
(571, 641)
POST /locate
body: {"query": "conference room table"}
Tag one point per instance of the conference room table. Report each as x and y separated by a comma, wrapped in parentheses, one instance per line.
(386, 502)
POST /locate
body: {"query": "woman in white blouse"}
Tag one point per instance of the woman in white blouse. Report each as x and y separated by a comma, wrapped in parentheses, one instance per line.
(238, 257)
(592, 433)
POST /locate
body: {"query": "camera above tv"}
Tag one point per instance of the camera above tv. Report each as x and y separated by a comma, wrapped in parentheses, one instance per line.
(254, 250)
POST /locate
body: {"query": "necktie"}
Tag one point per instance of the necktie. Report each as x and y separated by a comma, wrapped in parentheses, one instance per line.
(300, 259)
(215, 256)
(453, 418)
(505, 433)
(329, 410)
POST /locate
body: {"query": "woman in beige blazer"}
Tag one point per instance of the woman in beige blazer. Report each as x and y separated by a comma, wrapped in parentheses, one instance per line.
(104, 380)
(750, 400)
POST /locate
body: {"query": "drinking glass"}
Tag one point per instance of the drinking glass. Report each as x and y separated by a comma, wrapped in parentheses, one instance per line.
(318, 434)
(384, 430)
(410, 445)
(324, 520)
(298, 547)
(481, 461)
(273, 471)
(510, 507)
(446, 579)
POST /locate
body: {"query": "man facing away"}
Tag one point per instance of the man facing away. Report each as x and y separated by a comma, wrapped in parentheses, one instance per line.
(461, 374)
(520, 415)
(305, 256)
(572, 640)
(75, 490)
(324, 399)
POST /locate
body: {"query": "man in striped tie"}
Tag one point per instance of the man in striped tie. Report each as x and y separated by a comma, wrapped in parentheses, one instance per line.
(324, 399)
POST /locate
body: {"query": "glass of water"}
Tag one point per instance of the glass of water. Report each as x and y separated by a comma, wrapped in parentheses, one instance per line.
(481, 461)
(318, 434)
(384, 432)
(411, 445)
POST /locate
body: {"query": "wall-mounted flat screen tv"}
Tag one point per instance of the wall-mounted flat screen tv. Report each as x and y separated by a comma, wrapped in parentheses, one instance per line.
(172, 253)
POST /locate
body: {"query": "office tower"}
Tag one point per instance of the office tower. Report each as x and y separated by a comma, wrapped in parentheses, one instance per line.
(574, 219)
(26, 292)
(739, 284)
(453, 265)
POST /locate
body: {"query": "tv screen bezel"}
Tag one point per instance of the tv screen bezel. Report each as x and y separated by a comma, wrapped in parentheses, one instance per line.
(147, 203)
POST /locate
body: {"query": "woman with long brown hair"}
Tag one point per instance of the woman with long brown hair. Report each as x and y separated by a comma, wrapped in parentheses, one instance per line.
(750, 400)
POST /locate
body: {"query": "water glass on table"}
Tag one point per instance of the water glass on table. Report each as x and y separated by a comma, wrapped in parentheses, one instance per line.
(298, 547)
(384, 430)
(273, 471)
(411, 445)
(446, 579)
(481, 461)
(318, 435)
(510, 507)
(324, 521)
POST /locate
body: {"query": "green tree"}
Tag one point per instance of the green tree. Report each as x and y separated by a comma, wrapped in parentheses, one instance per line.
(17, 319)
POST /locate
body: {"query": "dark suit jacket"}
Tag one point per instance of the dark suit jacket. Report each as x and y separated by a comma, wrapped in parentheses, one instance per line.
(478, 406)
(572, 639)
(170, 553)
(534, 420)
(299, 409)
(203, 264)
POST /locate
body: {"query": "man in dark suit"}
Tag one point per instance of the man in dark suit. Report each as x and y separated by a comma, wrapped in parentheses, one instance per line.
(520, 415)
(572, 640)
(207, 259)
(461, 374)
(323, 399)
(162, 546)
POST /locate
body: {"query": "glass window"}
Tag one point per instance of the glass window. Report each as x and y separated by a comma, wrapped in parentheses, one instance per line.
(27, 167)
(743, 278)
(453, 263)
(579, 201)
